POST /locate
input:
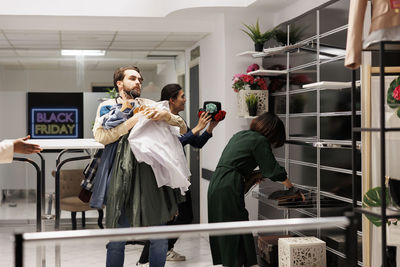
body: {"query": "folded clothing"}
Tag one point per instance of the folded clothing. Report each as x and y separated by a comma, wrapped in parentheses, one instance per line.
(284, 195)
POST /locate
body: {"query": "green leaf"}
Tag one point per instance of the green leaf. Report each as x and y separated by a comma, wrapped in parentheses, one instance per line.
(373, 199)
(251, 100)
(254, 32)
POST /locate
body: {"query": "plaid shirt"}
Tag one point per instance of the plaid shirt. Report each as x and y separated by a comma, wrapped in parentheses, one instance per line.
(90, 171)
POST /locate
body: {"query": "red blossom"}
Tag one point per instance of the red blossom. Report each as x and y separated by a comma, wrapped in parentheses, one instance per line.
(200, 112)
(248, 79)
(253, 67)
(220, 115)
(396, 93)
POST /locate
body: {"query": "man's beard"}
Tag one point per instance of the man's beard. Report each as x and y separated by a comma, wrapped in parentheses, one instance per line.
(135, 92)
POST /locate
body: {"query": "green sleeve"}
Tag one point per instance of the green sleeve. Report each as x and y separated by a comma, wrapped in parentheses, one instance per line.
(267, 163)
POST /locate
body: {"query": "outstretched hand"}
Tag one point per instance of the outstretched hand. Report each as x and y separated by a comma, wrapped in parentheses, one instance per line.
(21, 146)
(204, 119)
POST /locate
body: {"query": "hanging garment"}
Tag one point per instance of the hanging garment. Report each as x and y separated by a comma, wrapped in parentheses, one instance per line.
(133, 188)
(89, 172)
(103, 176)
(115, 116)
(156, 143)
(111, 119)
(383, 17)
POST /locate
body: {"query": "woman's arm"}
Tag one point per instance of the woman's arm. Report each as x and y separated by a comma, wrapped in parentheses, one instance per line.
(287, 183)
(108, 136)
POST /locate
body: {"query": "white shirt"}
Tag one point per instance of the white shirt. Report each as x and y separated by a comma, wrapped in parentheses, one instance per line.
(6, 151)
(157, 144)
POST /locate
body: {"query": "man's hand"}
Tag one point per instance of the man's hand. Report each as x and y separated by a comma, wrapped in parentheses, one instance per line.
(133, 120)
(204, 119)
(157, 115)
(20, 146)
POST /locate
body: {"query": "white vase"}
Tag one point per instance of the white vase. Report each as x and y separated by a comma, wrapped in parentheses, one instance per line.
(262, 106)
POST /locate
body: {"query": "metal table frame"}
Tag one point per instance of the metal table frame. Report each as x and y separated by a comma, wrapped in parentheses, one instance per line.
(39, 188)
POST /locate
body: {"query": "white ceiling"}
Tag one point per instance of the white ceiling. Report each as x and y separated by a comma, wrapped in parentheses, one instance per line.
(42, 49)
(35, 42)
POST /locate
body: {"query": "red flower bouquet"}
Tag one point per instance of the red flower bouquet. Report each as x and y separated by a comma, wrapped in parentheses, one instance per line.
(214, 109)
(254, 83)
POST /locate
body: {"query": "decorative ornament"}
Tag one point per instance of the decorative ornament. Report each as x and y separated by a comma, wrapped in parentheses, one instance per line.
(214, 109)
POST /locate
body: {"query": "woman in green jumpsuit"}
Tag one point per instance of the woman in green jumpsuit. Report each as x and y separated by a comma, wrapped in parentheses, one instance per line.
(245, 151)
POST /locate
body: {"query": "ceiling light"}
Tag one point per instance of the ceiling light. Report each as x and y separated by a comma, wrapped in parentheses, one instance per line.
(161, 57)
(68, 52)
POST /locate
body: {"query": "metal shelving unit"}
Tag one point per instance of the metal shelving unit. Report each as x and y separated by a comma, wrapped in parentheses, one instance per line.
(315, 145)
(383, 47)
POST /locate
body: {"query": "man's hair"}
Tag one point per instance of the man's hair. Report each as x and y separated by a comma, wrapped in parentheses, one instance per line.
(271, 126)
(119, 74)
(170, 91)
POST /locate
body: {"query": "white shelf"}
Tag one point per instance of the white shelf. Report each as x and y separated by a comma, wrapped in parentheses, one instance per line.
(281, 49)
(268, 72)
(329, 85)
(251, 53)
(277, 50)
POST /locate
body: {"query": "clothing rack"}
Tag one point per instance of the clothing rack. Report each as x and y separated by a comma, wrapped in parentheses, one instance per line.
(384, 48)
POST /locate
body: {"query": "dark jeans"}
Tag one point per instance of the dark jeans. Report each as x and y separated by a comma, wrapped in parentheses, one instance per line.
(185, 216)
(116, 250)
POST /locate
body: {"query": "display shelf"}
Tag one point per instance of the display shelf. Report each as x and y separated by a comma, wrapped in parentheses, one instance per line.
(388, 46)
(297, 142)
(385, 49)
(336, 144)
(376, 212)
(310, 202)
(251, 53)
(329, 85)
(358, 129)
(268, 72)
(278, 49)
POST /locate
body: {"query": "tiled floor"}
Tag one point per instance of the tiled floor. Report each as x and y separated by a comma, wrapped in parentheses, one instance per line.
(81, 253)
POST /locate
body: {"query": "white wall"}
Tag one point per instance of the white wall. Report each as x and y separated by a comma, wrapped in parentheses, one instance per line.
(296, 9)
(49, 80)
(218, 64)
(14, 84)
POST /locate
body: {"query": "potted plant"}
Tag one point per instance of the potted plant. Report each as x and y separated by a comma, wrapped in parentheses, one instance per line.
(295, 35)
(252, 103)
(246, 85)
(254, 32)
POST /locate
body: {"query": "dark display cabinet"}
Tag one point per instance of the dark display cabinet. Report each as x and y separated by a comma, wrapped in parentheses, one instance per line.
(312, 96)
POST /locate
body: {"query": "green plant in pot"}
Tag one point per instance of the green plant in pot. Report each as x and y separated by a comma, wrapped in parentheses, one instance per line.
(373, 199)
(252, 103)
(254, 32)
(296, 34)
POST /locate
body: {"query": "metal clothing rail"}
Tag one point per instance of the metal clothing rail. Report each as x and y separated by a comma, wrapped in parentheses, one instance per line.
(154, 232)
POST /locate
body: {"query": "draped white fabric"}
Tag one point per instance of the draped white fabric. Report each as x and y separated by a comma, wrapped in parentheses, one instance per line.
(156, 143)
